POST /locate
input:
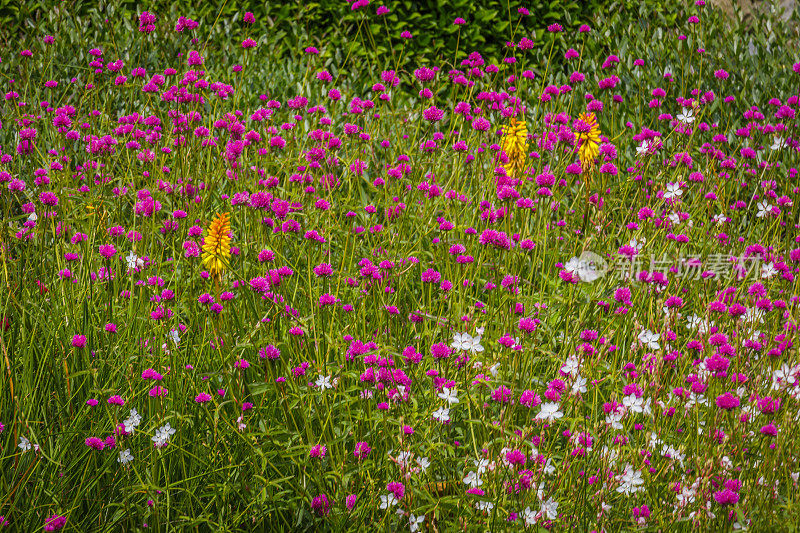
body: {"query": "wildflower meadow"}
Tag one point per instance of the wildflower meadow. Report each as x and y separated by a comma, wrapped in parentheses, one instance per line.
(550, 288)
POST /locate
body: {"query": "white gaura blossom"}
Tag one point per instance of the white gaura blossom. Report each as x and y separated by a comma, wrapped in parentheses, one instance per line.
(631, 481)
(448, 395)
(650, 339)
(467, 343)
(673, 191)
(323, 382)
(387, 501)
(549, 412)
(442, 414)
(549, 509)
(686, 116)
(473, 480)
(637, 404)
(529, 516)
(125, 457)
(414, 522)
(579, 385)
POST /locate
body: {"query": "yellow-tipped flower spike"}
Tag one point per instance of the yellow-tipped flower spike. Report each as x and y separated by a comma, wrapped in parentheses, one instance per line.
(217, 245)
(514, 144)
(587, 135)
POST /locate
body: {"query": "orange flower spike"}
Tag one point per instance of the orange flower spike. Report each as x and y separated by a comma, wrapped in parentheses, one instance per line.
(217, 245)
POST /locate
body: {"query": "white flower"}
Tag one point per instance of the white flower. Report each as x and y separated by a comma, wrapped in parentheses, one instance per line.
(673, 190)
(414, 522)
(493, 369)
(24, 444)
(643, 148)
(549, 412)
(636, 404)
(752, 314)
(588, 267)
(323, 382)
(654, 441)
(442, 414)
(579, 385)
(549, 508)
(387, 501)
(783, 377)
(529, 517)
(571, 365)
(614, 418)
(631, 481)
(448, 395)
(720, 219)
(481, 465)
(403, 458)
(705, 326)
(423, 463)
(125, 457)
(650, 339)
(461, 341)
(693, 321)
(467, 343)
(687, 496)
(134, 261)
(777, 143)
(132, 422)
(173, 334)
(475, 346)
(687, 117)
(473, 480)
(484, 506)
(764, 209)
(768, 270)
(161, 438)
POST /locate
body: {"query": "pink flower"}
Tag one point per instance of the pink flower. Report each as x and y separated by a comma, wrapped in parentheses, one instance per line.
(95, 443)
(726, 497)
(727, 401)
(107, 250)
(79, 341)
(203, 397)
(396, 488)
(54, 522)
(116, 400)
(318, 451)
(321, 505)
(362, 450)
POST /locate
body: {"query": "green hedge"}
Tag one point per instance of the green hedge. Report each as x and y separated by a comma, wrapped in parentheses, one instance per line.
(294, 25)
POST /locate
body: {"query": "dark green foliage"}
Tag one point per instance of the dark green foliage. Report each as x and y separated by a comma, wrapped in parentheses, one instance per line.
(295, 25)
